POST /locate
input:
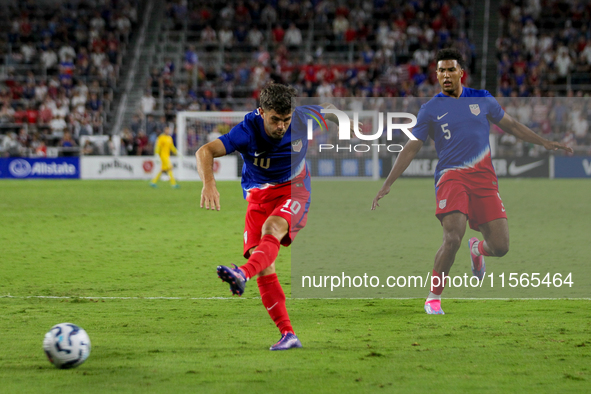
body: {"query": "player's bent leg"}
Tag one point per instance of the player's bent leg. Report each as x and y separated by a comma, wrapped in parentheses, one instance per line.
(273, 231)
(496, 238)
(234, 276)
(273, 299)
(454, 228)
(476, 259)
(155, 179)
(173, 183)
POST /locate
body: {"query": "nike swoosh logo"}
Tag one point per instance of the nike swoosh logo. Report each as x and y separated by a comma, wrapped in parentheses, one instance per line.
(256, 154)
(517, 170)
(439, 117)
(273, 306)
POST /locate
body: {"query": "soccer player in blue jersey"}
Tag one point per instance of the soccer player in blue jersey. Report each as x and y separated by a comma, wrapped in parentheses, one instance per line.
(273, 143)
(466, 187)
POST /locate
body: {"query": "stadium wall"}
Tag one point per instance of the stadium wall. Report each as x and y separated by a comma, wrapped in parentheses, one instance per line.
(228, 168)
(40, 168)
(146, 167)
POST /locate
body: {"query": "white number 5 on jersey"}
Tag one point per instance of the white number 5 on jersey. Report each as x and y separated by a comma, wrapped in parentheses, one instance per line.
(446, 132)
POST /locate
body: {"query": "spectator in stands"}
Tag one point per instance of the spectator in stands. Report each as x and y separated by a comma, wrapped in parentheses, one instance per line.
(79, 98)
(32, 115)
(57, 126)
(143, 144)
(324, 90)
(254, 38)
(226, 37)
(169, 89)
(23, 138)
(147, 103)
(293, 37)
(339, 27)
(46, 111)
(580, 128)
(40, 91)
(83, 128)
(39, 147)
(278, 34)
(563, 65)
(136, 123)
(89, 148)
(191, 59)
(10, 146)
(66, 52)
(123, 26)
(127, 143)
(268, 15)
(68, 144)
(6, 113)
(209, 38)
(49, 60)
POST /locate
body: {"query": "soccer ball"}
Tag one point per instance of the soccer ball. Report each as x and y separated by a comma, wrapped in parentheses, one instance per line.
(66, 345)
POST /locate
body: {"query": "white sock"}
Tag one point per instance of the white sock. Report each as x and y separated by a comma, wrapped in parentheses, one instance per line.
(433, 296)
(475, 248)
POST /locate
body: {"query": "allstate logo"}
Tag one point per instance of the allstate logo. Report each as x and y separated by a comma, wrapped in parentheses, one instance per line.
(19, 168)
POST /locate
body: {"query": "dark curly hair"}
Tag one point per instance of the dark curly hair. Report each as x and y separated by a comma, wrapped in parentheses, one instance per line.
(450, 54)
(277, 97)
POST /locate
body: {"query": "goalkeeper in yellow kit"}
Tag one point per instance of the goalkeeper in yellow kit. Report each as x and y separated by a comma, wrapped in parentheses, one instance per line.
(164, 146)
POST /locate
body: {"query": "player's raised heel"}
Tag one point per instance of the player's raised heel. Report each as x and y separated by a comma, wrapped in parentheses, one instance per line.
(287, 341)
(235, 277)
(177, 186)
(477, 262)
(433, 307)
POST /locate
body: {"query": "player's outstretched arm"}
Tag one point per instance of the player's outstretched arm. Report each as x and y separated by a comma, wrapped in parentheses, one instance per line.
(521, 131)
(210, 197)
(409, 152)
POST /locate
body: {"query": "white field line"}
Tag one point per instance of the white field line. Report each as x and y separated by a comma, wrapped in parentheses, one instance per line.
(289, 298)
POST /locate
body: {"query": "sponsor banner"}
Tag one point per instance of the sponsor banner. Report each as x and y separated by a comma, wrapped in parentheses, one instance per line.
(526, 167)
(52, 168)
(224, 168)
(146, 167)
(523, 167)
(572, 167)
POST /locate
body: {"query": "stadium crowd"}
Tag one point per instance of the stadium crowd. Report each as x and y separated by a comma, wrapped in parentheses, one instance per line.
(324, 48)
(61, 64)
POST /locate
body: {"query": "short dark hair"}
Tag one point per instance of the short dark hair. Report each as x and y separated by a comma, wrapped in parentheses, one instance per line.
(450, 54)
(277, 97)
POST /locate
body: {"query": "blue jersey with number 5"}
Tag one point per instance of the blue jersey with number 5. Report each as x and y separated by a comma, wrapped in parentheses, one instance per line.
(460, 128)
(268, 160)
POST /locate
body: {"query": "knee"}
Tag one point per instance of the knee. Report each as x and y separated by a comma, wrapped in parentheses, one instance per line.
(276, 228)
(501, 250)
(452, 241)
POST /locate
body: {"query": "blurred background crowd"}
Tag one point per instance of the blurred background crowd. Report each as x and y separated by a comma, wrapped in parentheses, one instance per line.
(71, 70)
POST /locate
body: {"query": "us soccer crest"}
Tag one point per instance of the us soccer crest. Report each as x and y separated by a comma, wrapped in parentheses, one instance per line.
(475, 109)
(442, 203)
(296, 145)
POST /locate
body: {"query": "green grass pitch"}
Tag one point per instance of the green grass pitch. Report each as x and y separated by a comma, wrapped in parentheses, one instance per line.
(89, 241)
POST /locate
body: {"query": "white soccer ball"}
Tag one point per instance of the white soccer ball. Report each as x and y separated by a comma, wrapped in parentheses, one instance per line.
(66, 345)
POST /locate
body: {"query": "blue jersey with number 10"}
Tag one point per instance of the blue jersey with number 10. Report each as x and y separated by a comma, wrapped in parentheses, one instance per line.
(460, 128)
(268, 161)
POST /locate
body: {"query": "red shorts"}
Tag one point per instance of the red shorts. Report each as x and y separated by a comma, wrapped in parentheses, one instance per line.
(290, 201)
(476, 197)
